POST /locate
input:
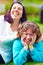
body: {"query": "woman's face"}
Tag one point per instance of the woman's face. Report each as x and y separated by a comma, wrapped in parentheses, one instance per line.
(28, 37)
(16, 11)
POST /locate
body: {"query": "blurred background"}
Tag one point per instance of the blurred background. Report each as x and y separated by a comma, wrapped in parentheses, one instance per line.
(34, 12)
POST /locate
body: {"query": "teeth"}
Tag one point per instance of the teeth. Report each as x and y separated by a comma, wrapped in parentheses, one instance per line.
(16, 14)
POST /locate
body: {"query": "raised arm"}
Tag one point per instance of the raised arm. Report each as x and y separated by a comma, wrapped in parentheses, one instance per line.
(19, 53)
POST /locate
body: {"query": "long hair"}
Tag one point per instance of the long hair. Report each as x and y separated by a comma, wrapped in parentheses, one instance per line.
(7, 16)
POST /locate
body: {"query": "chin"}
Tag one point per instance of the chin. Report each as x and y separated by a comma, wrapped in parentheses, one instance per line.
(14, 18)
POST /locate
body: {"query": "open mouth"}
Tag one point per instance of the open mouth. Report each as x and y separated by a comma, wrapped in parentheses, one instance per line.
(27, 40)
(16, 14)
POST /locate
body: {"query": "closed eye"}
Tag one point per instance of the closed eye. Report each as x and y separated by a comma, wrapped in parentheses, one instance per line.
(14, 7)
(19, 8)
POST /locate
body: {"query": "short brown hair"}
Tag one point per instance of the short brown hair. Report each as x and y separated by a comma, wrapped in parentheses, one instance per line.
(29, 25)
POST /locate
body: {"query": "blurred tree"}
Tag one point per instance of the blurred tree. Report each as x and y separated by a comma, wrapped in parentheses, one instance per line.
(41, 15)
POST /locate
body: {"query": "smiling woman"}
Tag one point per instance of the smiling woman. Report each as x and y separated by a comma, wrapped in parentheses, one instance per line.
(9, 24)
(16, 11)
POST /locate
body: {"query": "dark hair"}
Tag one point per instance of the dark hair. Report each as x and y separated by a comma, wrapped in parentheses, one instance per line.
(29, 25)
(7, 16)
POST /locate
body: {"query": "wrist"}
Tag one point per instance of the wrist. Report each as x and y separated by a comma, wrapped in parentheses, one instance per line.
(26, 47)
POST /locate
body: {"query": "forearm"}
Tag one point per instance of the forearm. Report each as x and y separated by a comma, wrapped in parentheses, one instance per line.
(21, 57)
(36, 55)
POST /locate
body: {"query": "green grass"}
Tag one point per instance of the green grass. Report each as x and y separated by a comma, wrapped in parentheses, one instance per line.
(33, 63)
(28, 63)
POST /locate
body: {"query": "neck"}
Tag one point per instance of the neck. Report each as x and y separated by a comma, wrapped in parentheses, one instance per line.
(16, 21)
(14, 26)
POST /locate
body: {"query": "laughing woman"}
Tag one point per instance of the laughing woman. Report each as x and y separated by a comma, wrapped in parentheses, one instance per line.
(9, 24)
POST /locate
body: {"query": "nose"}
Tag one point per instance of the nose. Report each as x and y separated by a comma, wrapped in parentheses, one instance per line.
(16, 9)
(28, 36)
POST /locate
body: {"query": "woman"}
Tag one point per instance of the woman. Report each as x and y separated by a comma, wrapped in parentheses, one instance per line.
(29, 45)
(9, 24)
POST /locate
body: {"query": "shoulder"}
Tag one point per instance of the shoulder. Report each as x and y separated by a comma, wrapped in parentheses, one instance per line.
(40, 42)
(17, 42)
(2, 16)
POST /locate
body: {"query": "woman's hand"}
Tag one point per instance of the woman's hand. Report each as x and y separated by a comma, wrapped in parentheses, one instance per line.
(25, 44)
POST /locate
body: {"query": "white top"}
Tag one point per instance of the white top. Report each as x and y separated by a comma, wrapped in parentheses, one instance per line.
(5, 30)
(7, 37)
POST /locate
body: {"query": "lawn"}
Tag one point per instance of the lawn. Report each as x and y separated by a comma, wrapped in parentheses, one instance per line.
(28, 63)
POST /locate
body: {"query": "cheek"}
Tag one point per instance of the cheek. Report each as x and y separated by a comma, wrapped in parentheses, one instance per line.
(21, 13)
(11, 13)
(23, 37)
(34, 38)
